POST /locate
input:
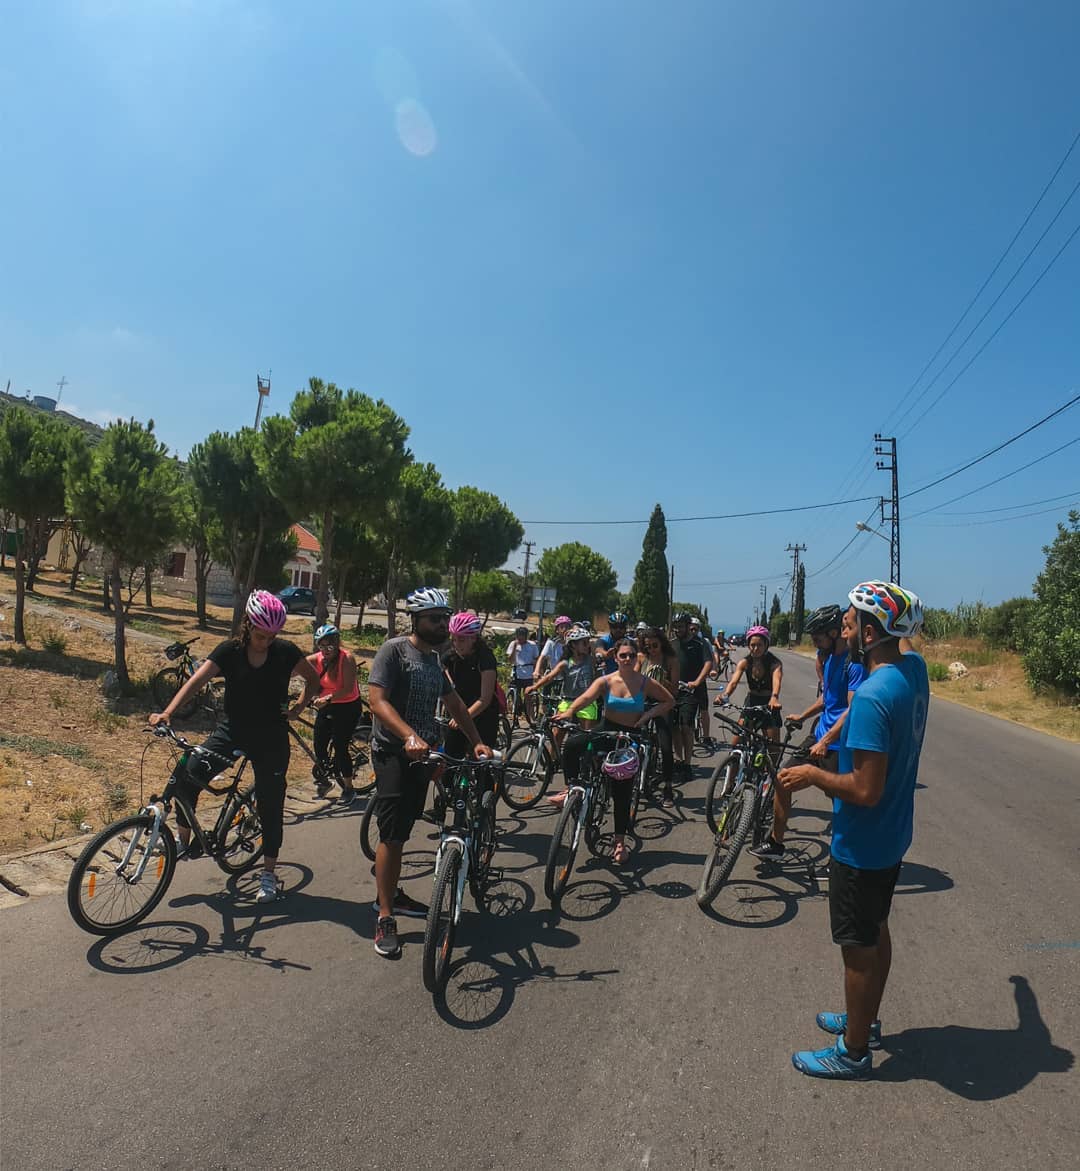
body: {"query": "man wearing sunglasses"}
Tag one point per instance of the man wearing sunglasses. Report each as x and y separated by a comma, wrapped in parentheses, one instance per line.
(405, 685)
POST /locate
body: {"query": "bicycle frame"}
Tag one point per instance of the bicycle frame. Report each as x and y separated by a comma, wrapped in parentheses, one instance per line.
(462, 794)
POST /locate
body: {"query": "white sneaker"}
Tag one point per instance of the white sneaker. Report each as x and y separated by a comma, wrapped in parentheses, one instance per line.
(269, 887)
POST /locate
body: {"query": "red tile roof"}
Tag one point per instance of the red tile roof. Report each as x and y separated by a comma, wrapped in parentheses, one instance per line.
(307, 542)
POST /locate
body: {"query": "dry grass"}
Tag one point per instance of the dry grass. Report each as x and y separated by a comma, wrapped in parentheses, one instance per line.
(995, 684)
(68, 756)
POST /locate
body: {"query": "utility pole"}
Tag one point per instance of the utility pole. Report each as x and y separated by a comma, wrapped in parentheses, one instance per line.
(528, 556)
(671, 598)
(264, 392)
(763, 611)
(60, 388)
(887, 448)
(795, 550)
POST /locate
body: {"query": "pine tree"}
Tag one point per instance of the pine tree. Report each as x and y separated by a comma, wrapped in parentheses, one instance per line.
(774, 609)
(649, 593)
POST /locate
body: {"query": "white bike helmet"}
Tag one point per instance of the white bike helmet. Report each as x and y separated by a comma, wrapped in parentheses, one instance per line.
(426, 598)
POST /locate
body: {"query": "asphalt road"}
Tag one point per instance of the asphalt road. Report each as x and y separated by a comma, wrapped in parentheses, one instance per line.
(632, 1031)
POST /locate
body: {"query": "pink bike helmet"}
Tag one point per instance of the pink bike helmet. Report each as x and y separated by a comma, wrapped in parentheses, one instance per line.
(265, 611)
(563, 620)
(465, 623)
(620, 765)
(759, 632)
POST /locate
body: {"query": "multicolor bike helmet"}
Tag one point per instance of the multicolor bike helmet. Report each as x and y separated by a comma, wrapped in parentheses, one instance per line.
(265, 611)
(563, 620)
(327, 630)
(617, 618)
(759, 632)
(621, 764)
(824, 618)
(898, 610)
(426, 598)
(576, 634)
(465, 623)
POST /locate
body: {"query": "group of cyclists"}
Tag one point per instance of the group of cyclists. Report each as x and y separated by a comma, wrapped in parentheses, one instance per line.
(605, 684)
(609, 685)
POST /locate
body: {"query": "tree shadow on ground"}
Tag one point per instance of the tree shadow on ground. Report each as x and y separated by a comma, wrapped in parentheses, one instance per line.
(981, 1065)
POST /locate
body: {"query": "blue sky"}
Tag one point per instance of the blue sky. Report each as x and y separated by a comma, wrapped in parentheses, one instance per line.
(598, 254)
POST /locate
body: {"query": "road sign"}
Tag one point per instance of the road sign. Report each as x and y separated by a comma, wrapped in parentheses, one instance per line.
(541, 600)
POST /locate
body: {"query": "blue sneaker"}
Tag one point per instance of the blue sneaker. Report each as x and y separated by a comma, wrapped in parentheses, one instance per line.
(836, 1023)
(833, 1063)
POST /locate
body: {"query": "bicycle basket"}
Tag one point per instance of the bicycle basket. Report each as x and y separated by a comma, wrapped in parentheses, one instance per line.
(174, 651)
(620, 765)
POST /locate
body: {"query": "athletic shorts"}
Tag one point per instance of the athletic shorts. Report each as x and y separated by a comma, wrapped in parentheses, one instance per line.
(592, 712)
(400, 792)
(859, 902)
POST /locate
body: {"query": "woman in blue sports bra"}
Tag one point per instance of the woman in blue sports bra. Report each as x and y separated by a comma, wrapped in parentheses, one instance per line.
(624, 692)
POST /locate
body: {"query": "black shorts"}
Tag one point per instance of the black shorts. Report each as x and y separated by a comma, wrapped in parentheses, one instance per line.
(775, 719)
(689, 703)
(400, 792)
(859, 902)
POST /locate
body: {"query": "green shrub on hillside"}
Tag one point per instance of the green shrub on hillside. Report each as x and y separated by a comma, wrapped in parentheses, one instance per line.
(1007, 625)
(1052, 655)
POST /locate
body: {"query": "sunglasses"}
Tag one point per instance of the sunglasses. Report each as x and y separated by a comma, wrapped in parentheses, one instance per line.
(625, 658)
(438, 619)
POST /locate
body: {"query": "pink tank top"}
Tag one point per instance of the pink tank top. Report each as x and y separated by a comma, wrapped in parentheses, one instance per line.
(330, 681)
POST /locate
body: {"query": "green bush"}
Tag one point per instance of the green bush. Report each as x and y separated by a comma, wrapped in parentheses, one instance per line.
(1052, 652)
(55, 644)
(1006, 625)
(938, 672)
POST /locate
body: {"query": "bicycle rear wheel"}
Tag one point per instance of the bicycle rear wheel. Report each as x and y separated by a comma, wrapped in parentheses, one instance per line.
(165, 684)
(563, 849)
(721, 783)
(103, 894)
(440, 929)
(528, 773)
(240, 844)
(363, 778)
(734, 827)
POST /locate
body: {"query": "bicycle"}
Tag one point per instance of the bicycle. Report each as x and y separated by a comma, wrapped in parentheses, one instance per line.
(518, 704)
(363, 778)
(584, 813)
(531, 764)
(168, 681)
(466, 848)
(744, 808)
(123, 873)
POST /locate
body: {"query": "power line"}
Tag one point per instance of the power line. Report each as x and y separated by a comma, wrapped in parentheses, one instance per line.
(991, 483)
(1000, 326)
(1011, 507)
(994, 450)
(982, 288)
(721, 516)
(858, 533)
(999, 520)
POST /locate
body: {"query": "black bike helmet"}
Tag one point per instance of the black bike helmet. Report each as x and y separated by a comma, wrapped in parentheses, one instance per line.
(680, 617)
(824, 618)
(617, 618)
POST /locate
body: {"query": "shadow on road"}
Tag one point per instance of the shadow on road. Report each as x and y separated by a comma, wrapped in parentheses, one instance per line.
(148, 948)
(981, 1065)
(502, 956)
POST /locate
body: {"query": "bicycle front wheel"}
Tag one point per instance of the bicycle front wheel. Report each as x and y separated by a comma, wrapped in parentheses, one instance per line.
(720, 786)
(165, 684)
(121, 876)
(563, 849)
(369, 831)
(528, 773)
(734, 826)
(439, 933)
(240, 844)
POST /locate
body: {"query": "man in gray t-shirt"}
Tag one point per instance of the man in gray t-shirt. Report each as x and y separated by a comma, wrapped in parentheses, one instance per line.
(405, 684)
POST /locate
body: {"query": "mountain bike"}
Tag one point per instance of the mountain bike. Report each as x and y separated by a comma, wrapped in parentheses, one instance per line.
(739, 805)
(168, 681)
(585, 811)
(532, 762)
(363, 773)
(466, 848)
(124, 872)
(520, 704)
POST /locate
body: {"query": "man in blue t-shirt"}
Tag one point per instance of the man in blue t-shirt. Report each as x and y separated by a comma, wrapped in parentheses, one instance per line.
(873, 808)
(840, 678)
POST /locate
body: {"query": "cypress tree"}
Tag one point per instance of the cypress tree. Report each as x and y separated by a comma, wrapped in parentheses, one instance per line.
(648, 595)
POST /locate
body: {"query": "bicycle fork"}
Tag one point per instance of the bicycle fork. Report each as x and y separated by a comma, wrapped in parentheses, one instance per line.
(463, 869)
(154, 835)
